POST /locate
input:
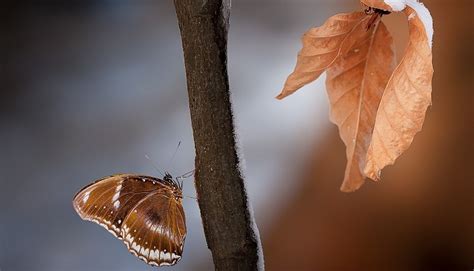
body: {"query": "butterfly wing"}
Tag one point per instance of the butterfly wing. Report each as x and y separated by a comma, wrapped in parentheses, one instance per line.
(155, 229)
(109, 200)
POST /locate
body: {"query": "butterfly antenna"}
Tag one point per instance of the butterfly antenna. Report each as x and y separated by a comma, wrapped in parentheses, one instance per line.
(154, 164)
(174, 154)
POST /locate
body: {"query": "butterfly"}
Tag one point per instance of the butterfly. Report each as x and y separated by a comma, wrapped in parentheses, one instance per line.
(145, 212)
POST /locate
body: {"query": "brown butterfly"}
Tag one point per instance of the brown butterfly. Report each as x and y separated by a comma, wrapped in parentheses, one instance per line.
(146, 213)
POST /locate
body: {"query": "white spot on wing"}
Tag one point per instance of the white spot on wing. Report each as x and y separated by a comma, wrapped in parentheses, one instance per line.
(116, 196)
(115, 200)
(107, 225)
(86, 197)
(136, 247)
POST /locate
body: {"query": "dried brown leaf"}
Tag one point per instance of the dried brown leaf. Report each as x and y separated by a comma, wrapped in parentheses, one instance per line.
(378, 109)
(403, 106)
(355, 84)
(321, 47)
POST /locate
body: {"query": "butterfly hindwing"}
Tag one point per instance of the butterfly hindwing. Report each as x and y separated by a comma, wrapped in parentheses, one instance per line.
(144, 212)
(155, 230)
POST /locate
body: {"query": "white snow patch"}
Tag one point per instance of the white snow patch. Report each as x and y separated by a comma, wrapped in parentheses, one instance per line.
(396, 5)
(242, 169)
(421, 11)
(424, 14)
(261, 261)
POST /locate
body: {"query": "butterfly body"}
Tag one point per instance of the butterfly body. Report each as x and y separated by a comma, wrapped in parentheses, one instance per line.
(144, 212)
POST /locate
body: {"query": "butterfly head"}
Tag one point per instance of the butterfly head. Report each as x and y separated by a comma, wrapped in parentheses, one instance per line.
(175, 185)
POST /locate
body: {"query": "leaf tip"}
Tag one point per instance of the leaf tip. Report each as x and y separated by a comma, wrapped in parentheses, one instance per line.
(281, 96)
(351, 185)
(352, 180)
(347, 189)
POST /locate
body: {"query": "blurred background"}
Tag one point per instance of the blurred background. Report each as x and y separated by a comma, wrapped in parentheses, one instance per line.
(88, 88)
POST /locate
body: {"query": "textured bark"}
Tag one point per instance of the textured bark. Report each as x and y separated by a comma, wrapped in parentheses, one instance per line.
(222, 198)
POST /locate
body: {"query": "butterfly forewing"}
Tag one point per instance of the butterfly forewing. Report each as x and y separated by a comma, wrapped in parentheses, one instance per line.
(147, 206)
(159, 214)
(109, 200)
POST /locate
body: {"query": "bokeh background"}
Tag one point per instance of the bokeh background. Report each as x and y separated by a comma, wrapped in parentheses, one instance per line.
(89, 87)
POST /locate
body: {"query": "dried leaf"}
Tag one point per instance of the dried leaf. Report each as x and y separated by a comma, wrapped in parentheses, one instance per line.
(321, 47)
(403, 106)
(378, 109)
(355, 84)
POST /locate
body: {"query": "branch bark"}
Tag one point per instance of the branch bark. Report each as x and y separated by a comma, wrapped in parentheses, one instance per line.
(228, 224)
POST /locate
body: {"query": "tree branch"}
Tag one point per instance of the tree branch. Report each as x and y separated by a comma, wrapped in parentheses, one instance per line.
(228, 225)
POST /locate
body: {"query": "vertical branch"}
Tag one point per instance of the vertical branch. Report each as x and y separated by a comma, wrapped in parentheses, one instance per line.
(225, 212)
